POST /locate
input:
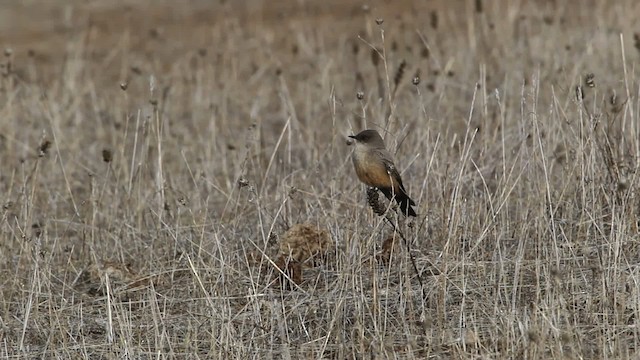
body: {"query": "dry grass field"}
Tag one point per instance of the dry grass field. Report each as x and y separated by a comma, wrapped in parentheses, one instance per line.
(176, 182)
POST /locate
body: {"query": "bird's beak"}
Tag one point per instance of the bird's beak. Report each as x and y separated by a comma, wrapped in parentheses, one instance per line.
(352, 136)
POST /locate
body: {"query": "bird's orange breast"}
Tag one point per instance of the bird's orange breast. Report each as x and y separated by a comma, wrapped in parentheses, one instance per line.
(372, 171)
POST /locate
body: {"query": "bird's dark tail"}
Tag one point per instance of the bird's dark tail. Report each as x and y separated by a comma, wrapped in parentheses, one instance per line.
(405, 202)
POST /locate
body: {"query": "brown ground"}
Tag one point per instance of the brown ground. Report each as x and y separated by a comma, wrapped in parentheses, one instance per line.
(153, 155)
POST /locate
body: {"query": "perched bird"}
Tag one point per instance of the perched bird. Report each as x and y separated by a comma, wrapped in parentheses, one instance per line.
(374, 166)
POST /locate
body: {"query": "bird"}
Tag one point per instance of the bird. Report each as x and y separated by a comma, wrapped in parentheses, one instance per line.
(375, 167)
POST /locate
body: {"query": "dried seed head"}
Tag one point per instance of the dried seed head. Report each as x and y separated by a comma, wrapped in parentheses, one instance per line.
(183, 201)
(107, 156)
(375, 203)
(399, 73)
(613, 99)
(273, 239)
(242, 182)
(589, 80)
(43, 149)
(379, 21)
(124, 85)
(360, 95)
(37, 229)
(8, 52)
(416, 78)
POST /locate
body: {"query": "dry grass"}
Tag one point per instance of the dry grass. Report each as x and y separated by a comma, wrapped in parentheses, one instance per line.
(153, 155)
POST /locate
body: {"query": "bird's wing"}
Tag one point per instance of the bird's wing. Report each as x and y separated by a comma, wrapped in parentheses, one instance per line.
(387, 159)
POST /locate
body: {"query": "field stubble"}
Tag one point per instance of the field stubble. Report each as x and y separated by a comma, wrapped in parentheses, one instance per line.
(160, 163)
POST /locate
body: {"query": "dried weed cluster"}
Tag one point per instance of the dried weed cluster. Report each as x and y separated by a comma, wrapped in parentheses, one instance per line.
(302, 246)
